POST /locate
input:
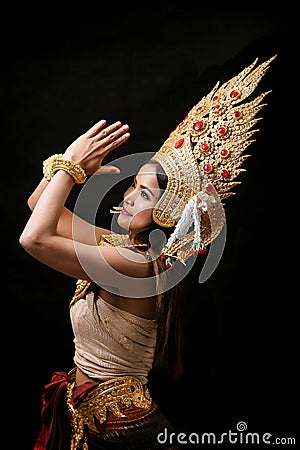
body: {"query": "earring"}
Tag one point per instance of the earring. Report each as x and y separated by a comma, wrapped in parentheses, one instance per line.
(116, 210)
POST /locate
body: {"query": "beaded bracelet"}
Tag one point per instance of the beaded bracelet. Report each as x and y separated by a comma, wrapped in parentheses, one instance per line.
(57, 162)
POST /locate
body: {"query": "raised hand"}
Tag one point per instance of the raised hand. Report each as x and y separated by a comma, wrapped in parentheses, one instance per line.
(90, 148)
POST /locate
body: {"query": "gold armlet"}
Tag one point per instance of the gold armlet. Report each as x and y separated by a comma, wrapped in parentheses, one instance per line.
(57, 162)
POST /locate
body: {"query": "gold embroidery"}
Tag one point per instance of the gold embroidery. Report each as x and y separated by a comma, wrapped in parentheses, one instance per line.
(107, 396)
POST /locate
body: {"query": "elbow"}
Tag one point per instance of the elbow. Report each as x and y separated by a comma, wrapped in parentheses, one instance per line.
(30, 241)
(30, 203)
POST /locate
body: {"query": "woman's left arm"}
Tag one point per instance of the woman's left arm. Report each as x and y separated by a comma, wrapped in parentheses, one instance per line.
(39, 237)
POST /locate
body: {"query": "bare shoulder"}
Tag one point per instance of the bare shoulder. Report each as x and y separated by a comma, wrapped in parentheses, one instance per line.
(126, 261)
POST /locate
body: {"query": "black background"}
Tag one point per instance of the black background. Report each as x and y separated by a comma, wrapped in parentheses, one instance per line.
(147, 67)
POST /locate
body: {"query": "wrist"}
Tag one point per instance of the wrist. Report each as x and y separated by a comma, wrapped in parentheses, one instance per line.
(65, 176)
(58, 162)
(70, 156)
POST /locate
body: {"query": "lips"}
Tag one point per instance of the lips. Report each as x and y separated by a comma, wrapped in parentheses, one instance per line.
(125, 212)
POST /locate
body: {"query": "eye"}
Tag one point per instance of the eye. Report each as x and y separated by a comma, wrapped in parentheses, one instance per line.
(143, 194)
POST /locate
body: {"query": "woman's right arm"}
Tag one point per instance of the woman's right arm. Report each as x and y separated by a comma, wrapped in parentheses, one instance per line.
(85, 233)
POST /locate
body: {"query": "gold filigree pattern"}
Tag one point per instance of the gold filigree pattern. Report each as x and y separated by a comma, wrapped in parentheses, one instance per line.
(208, 145)
(57, 162)
(107, 396)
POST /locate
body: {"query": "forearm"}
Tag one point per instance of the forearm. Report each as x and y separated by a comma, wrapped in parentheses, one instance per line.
(48, 207)
(34, 197)
(69, 223)
(64, 227)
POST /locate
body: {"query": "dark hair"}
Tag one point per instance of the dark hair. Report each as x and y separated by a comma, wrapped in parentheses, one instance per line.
(169, 345)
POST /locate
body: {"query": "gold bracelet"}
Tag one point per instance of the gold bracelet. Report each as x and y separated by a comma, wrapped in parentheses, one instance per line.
(57, 162)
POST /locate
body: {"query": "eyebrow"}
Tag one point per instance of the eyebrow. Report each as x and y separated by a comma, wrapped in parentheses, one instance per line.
(145, 187)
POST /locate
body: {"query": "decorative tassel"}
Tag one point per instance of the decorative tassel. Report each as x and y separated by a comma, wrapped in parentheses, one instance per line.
(191, 216)
(198, 247)
(163, 255)
(184, 223)
(169, 262)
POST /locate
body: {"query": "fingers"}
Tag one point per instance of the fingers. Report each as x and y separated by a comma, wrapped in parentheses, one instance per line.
(108, 169)
(117, 140)
(99, 131)
(106, 134)
(108, 137)
(96, 128)
(112, 136)
(110, 133)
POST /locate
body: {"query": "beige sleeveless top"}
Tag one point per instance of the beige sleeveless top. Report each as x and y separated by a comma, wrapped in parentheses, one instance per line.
(110, 342)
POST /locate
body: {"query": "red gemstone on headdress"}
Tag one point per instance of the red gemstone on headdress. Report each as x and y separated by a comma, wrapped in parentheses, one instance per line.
(207, 168)
(224, 153)
(224, 173)
(198, 125)
(179, 143)
(234, 94)
(237, 114)
(215, 98)
(205, 146)
(217, 106)
(222, 130)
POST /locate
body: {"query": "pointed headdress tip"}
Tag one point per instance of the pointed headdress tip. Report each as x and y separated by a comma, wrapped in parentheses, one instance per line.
(264, 94)
(273, 57)
(254, 62)
(263, 65)
(207, 147)
(268, 61)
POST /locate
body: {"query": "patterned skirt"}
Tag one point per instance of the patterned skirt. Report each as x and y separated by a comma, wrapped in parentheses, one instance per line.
(138, 431)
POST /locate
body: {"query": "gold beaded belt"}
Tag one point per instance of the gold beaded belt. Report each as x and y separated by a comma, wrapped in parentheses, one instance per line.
(106, 396)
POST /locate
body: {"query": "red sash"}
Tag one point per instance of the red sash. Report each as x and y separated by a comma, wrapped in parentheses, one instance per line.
(55, 433)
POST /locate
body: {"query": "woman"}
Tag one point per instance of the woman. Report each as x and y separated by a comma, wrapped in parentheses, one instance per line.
(101, 352)
(122, 311)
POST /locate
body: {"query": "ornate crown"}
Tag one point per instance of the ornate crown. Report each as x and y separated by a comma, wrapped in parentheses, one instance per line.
(202, 158)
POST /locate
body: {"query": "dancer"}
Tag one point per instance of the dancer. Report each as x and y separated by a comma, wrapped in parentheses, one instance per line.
(126, 306)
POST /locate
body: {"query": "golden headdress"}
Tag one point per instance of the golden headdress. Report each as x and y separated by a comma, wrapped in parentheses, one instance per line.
(202, 158)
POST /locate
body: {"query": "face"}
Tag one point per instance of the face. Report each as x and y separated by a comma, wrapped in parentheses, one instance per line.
(140, 199)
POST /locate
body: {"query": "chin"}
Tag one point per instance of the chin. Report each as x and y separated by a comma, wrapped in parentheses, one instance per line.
(123, 223)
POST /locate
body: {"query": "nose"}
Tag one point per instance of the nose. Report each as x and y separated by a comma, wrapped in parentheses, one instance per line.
(130, 198)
